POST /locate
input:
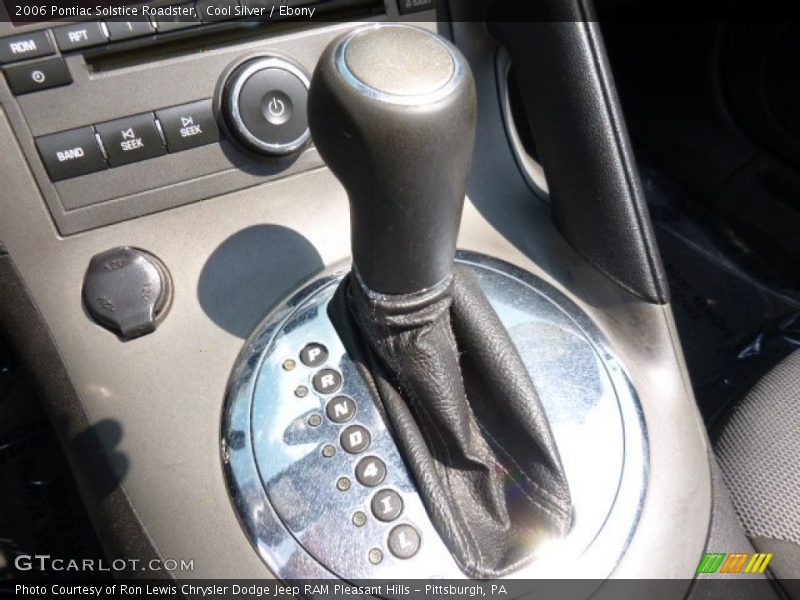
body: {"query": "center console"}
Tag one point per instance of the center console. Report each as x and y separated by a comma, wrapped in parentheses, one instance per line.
(330, 471)
(195, 217)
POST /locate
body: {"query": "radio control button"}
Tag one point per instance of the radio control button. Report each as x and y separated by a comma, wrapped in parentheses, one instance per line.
(411, 6)
(40, 75)
(131, 139)
(79, 35)
(25, 46)
(178, 21)
(71, 153)
(265, 105)
(188, 125)
(124, 30)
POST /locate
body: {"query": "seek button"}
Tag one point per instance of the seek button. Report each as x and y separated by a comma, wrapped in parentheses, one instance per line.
(130, 139)
(188, 125)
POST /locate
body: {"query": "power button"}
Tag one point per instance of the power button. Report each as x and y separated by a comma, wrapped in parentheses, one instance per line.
(265, 105)
(277, 108)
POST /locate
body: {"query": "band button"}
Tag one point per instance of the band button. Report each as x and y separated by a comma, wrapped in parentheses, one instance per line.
(71, 153)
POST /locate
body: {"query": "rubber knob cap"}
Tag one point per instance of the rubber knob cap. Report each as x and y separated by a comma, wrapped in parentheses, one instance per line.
(126, 290)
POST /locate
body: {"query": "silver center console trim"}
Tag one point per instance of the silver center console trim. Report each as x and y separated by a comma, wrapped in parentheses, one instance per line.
(531, 170)
(284, 487)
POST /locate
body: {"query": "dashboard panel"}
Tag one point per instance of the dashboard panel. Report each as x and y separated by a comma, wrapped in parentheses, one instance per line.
(103, 80)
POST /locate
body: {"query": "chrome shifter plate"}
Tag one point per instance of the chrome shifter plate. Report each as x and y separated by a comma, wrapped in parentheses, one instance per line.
(293, 481)
(301, 482)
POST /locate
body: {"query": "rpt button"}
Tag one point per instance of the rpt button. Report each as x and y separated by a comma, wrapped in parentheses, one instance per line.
(79, 35)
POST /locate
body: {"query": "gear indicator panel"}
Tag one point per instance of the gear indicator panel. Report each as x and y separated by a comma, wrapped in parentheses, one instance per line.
(328, 463)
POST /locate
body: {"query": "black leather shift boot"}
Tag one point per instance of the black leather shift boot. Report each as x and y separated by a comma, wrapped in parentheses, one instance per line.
(465, 416)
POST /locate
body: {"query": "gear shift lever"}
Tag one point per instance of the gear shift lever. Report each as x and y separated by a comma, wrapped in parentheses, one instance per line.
(392, 112)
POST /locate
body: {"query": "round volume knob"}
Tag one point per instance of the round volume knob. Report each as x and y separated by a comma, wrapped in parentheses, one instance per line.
(264, 103)
(392, 112)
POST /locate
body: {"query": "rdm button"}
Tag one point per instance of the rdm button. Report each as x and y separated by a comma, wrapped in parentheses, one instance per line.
(70, 153)
(27, 45)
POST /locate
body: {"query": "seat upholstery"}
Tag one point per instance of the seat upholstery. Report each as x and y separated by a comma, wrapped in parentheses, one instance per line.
(758, 449)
